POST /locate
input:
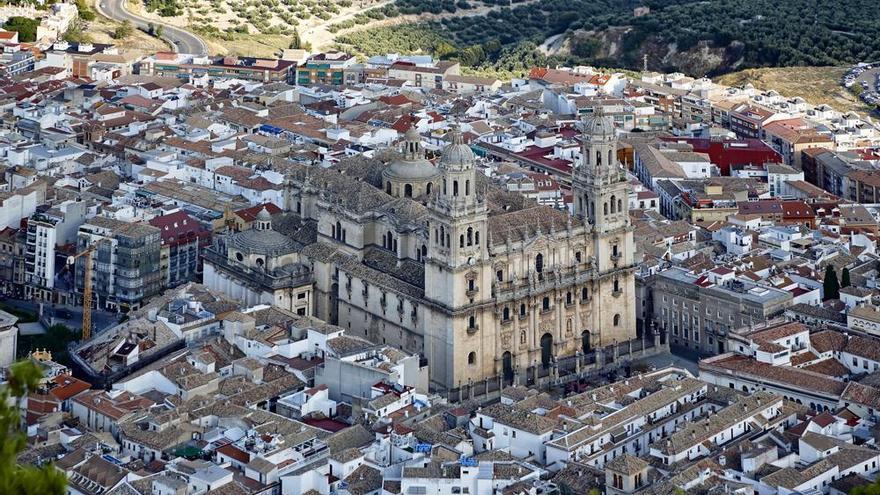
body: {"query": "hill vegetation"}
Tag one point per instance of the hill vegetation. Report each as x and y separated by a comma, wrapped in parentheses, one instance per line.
(699, 37)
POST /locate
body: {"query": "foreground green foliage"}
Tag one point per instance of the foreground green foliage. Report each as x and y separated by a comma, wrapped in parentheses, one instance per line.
(14, 478)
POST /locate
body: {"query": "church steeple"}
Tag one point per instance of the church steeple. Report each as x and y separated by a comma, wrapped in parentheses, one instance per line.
(412, 145)
(601, 191)
(458, 228)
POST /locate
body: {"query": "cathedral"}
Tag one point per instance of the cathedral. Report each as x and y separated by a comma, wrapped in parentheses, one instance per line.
(434, 259)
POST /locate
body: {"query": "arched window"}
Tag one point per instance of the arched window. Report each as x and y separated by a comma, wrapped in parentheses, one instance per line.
(444, 186)
(598, 158)
(388, 187)
(616, 285)
(448, 242)
(617, 320)
(585, 341)
(505, 314)
(429, 187)
(461, 241)
(619, 205)
(613, 203)
(545, 303)
(472, 322)
(577, 256)
(472, 357)
(568, 297)
(436, 235)
(585, 294)
(455, 188)
(408, 190)
(605, 208)
(424, 251)
(442, 236)
(467, 188)
(539, 263)
(470, 236)
(522, 309)
(333, 231)
(477, 237)
(338, 234)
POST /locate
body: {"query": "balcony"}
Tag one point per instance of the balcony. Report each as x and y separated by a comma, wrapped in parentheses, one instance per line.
(472, 291)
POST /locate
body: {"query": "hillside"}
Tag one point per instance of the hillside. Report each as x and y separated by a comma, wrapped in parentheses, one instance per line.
(817, 85)
(697, 37)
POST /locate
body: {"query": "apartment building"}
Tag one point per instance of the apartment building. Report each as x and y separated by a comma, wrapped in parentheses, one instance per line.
(698, 310)
(45, 231)
(185, 66)
(183, 238)
(126, 267)
(334, 68)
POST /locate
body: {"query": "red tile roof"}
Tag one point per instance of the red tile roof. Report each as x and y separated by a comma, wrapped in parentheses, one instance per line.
(250, 214)
(234, 452)
(66, 386)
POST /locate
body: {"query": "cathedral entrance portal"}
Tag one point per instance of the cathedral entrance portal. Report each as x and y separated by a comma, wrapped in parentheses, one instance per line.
(546, 349)
(507, 366)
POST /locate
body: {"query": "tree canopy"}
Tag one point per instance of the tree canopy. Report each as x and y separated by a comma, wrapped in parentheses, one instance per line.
(830, 284)
(24, 377)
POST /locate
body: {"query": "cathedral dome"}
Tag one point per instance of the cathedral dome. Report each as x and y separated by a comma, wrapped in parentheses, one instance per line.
(599, 125)
(265, 242)
(457, 153)
(413, 166)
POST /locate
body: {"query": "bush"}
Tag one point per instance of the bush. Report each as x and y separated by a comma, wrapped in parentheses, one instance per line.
(25, 27)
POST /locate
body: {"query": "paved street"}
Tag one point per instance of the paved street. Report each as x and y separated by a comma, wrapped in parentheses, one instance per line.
(182, 40)
(101, 320)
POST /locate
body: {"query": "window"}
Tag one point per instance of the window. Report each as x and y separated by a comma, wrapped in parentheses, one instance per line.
(545, 304)
(499, 275)
(539, 263)
(577, 256)
(617, 320)
(455, 188)
(472, 322)
(522, 309)
(472, 357)
(505, 314)
(585, 294)
(568, 298)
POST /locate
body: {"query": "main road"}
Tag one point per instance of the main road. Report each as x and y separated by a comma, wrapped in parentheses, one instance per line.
(183, 41)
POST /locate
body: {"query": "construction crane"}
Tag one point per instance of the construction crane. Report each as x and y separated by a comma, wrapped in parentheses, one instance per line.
(87, 287)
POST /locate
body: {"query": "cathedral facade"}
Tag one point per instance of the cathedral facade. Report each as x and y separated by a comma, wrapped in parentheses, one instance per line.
(482, 283)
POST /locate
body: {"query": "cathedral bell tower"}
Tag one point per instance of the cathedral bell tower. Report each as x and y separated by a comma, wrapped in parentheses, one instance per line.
(458, 230)
(599, 183)
(601, 197)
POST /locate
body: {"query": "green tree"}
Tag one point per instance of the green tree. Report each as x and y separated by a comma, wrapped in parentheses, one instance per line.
(296, 41)
(24, 377)
(158, 31)
(26, 28)
(830, 284)
(122, 31)
(844, 278)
